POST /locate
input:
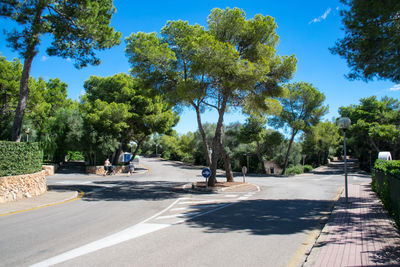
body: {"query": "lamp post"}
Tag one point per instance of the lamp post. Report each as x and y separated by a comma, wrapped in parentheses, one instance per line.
(344, 124)
(27, 134)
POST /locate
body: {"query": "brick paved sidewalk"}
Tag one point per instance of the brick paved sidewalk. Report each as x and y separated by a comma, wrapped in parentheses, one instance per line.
(357, 234)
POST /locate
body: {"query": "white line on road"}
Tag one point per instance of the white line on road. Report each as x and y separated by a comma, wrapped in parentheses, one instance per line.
(125, 235)
(129, 233)
(231, 195)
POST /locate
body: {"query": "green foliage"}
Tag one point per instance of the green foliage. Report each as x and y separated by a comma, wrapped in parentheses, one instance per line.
(75, 156)
(293, 170)
(230, 63)
(308, 168)
(383, 183)
(77, 28)
(120, 109)
(371, 40)
(19, 158)
(374, 128)
(10, 74)
(388, 167)
(320, 142)
(302, 109)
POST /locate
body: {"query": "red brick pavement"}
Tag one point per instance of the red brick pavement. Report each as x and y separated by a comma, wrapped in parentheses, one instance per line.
(359, 233)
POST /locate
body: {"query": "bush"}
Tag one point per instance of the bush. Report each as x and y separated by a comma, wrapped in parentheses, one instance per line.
(75, 156)
(388, 167)
(308, 168)
(293, 170)
(19, 158)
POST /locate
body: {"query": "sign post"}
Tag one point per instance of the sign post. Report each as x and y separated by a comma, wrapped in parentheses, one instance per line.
(206, 172)
(244, 171)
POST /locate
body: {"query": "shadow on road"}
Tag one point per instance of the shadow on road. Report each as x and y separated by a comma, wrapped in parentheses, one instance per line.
(266, 217)
(127, 190)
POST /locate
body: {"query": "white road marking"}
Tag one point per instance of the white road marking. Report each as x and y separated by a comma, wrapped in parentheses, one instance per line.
(243, 198)
(125, 235)
(231, 195)
(179, 215)
(129, 233)
(196, 202)
(74, 182)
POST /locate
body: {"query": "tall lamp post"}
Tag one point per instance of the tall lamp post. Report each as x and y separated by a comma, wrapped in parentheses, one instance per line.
(27, 134)
(344, 124)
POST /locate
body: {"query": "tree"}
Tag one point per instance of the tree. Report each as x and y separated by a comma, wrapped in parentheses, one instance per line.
(301, 109)
(253, 131)
(320, 141)
(146, 110)
(372, 38)
(374, 128)
(234, 60)
(10, 74)
(77, 28)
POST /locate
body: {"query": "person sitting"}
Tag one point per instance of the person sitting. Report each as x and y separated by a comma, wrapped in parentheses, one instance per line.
(107, 165)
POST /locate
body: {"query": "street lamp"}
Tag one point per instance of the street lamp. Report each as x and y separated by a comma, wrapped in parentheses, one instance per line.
(27, 134)
(344, 124)
(304, 158)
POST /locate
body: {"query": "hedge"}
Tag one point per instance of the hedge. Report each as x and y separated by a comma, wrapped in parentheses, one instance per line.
(386, 183)
(19, 158)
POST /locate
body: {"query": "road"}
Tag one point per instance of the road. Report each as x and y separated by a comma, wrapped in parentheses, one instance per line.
(148, 220)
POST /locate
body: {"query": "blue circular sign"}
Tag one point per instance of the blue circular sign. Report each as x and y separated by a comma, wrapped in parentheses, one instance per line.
(206, 173)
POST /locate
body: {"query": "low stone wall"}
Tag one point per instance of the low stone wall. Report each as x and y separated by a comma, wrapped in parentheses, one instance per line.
(49, 169)
(99, 170)
(17, 187)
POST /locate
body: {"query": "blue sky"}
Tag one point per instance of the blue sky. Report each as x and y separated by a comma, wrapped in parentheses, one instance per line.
(306, 29)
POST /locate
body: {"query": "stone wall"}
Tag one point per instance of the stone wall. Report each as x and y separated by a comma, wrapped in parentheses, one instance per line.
(49, 169)
(99, 170)
(17, 187)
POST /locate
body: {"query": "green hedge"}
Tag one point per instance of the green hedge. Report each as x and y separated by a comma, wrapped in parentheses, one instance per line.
(391, 167)
(19, 158)
(386, 183)
(293, 170)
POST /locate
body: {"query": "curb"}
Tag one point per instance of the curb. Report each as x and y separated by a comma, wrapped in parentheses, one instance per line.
(75, 196)
(191, 187)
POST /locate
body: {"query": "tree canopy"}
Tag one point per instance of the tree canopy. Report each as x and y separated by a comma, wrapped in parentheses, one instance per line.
(232, 62)
(302, 108)
(77, 28)
(374, 127)
(372, 39)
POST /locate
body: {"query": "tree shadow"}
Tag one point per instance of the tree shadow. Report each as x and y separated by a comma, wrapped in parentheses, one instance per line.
(122, 190)
(364, 222)
(265, 217)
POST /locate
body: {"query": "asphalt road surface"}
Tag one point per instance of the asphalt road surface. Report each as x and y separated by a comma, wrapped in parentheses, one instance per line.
(147, 219)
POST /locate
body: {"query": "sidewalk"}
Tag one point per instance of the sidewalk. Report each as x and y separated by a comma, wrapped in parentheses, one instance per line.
(357, 234)
(49, 198)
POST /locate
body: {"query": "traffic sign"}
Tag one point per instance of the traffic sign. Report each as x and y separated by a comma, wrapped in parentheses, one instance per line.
(206, 173)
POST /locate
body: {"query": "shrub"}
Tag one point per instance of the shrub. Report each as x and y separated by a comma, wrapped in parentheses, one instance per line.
(19, 158)
(308, 168)
(75, 156)
(388, 167)
(293, 170)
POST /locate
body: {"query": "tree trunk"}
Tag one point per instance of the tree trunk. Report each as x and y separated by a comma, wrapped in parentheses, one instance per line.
(203, 134)
(227, 163)
(288, 152)
(137, 148)
(29, 54)
(216, 144)
(262, 165)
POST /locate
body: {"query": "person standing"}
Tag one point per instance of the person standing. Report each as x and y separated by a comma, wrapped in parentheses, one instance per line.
(131, 167)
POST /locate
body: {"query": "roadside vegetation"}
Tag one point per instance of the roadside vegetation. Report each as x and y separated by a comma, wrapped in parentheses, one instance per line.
(229, 64)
